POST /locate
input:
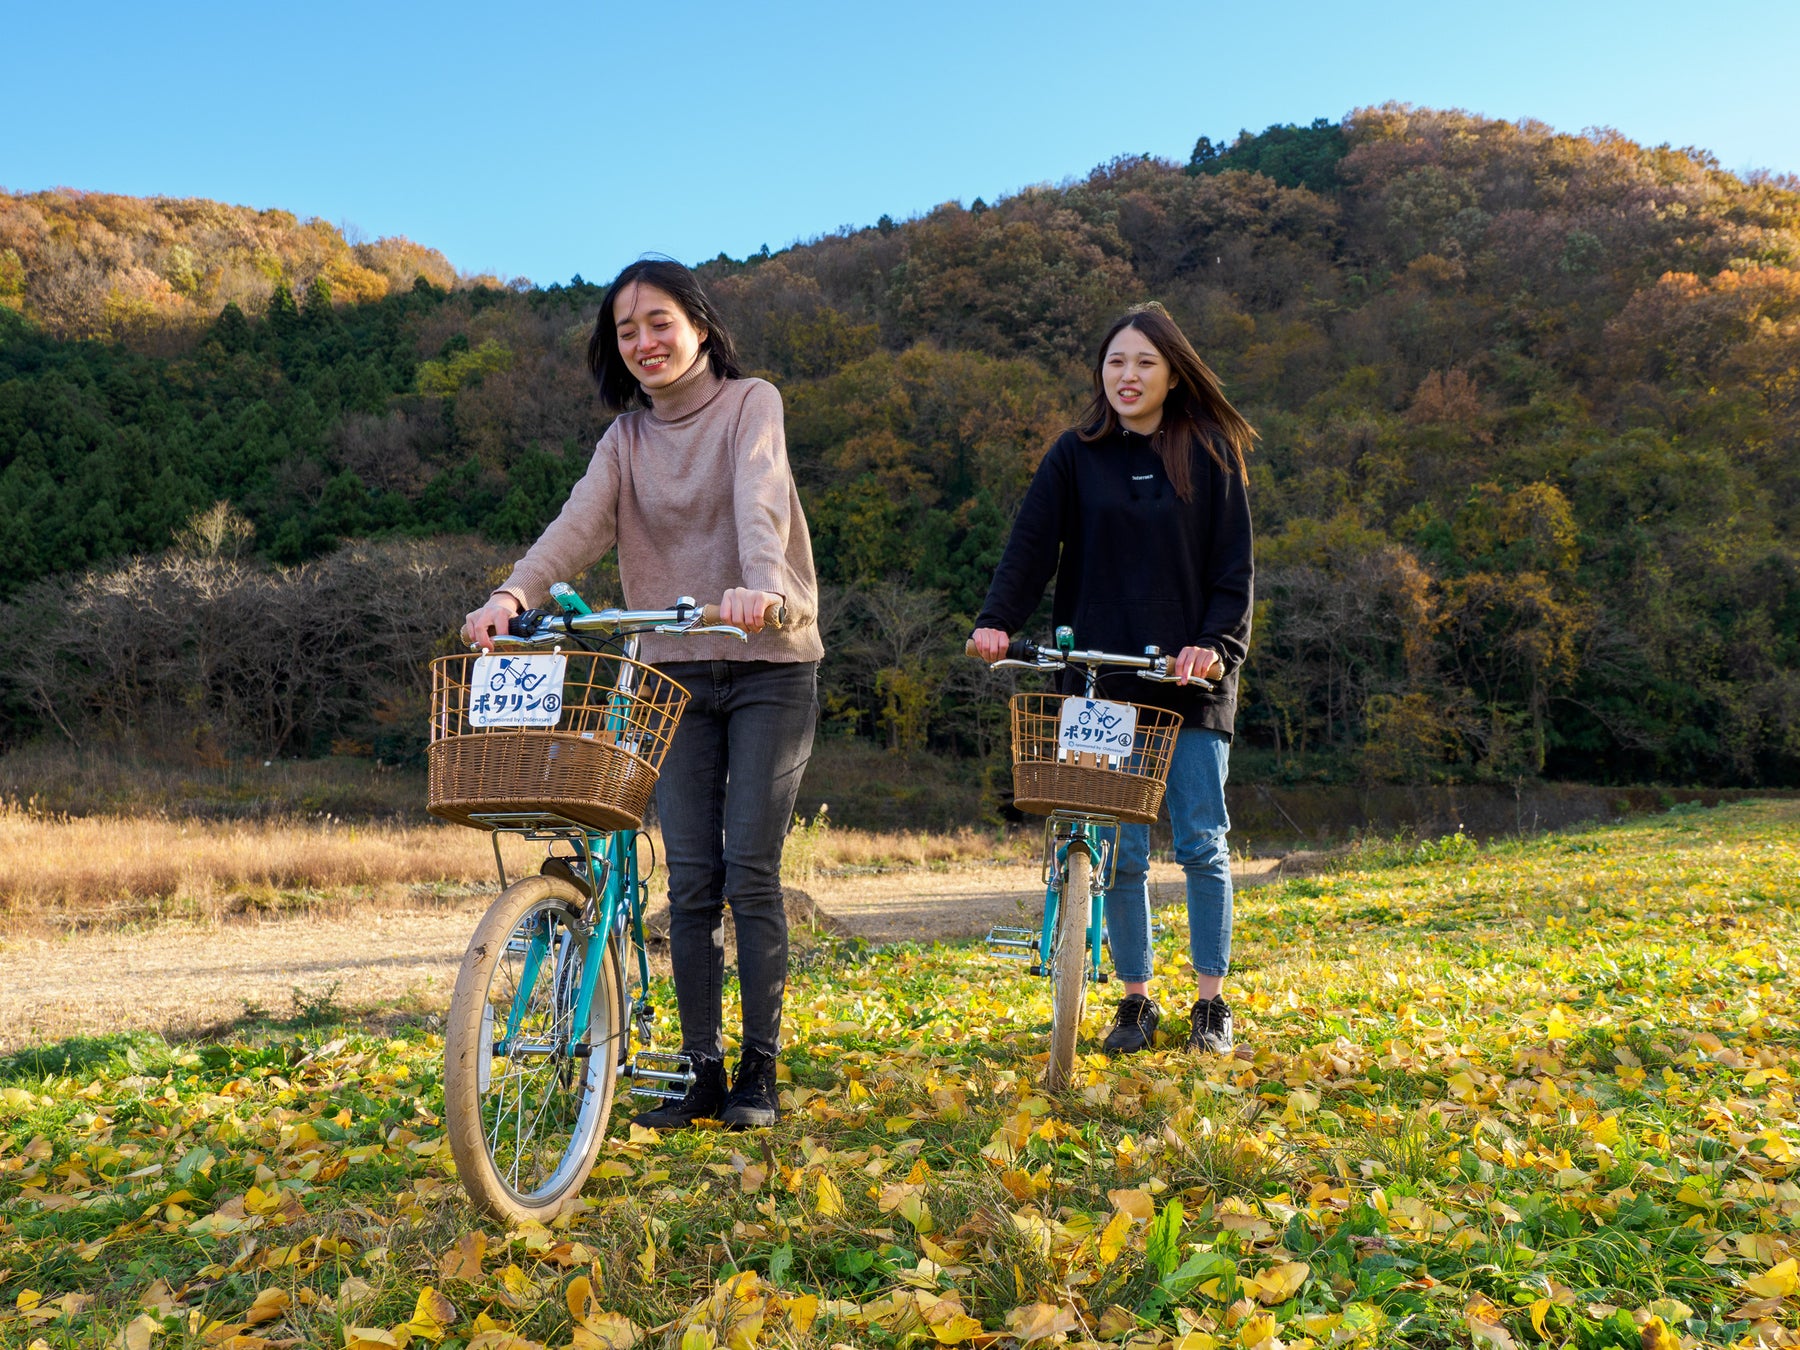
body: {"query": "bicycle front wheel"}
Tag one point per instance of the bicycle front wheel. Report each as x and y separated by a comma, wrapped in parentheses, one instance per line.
(1068, 965)
(526, 1097)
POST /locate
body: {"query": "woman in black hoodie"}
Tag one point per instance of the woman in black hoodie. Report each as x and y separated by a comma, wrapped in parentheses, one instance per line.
(1141, 515)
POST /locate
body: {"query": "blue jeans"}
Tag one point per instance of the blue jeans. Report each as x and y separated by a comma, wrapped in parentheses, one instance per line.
(725, 799)
(1196, 806)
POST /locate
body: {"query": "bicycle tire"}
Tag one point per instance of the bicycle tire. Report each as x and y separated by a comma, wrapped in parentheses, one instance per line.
(524, 1134)
(1068, 966)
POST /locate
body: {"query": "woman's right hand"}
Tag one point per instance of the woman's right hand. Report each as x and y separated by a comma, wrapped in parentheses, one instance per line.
(990, 644)
(478, 629)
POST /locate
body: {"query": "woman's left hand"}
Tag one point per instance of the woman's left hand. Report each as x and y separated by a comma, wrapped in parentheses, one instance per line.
(1197, 663)
(744, 608)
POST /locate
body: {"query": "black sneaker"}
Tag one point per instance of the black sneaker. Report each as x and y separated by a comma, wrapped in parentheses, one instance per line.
(1210, 1031)
(705, 1098)
(1134, 1025)
(751, 1103)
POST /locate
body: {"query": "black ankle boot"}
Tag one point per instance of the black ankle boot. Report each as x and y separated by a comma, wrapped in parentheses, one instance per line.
(751, 1102)
(705, 1097)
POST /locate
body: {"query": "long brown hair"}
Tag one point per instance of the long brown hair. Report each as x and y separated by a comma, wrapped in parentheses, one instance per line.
(1197, 413)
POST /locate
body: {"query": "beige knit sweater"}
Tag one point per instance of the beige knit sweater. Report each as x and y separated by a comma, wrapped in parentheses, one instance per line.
(697, 494)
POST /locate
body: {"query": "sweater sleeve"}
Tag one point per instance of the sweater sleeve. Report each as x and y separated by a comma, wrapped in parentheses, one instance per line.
(1032, 549)
(763, 498)
(1231, 572)
(581, 533)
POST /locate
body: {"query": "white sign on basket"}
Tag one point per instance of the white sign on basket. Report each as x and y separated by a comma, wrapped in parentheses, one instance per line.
(517, 691)
(1093, 724)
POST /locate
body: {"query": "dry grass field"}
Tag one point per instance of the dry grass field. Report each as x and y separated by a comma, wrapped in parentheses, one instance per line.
(59, 870)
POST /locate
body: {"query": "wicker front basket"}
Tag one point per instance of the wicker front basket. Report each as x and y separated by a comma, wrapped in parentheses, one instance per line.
(596, 767)
(1048, 778)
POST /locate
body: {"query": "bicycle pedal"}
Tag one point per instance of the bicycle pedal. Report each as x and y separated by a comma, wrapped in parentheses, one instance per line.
(661, 1074)
(1013, 944)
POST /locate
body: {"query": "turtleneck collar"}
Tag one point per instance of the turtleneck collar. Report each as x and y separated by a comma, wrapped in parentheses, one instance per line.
(688, 395)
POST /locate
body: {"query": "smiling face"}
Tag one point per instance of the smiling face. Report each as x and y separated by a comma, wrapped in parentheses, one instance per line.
(1137, 380)
(657, 340)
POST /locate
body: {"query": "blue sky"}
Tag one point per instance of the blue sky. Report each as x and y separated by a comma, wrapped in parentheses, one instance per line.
(546, 139)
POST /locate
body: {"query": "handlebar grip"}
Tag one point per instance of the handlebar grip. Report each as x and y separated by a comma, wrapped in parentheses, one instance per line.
(775, 616)
(1019, 649)
(526, 624)
(1216, 671)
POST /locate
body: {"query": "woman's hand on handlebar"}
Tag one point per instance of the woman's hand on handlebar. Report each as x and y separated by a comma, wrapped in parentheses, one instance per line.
(744, 608)
(989, 644)
(1196, 663)
(479, 628)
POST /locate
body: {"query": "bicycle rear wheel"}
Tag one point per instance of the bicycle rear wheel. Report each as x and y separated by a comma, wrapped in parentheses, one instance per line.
(525, 1099)
(1068, 965)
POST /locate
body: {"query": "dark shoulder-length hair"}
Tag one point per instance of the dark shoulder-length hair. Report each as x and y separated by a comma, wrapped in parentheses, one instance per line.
(619, 389)
(1197, 414)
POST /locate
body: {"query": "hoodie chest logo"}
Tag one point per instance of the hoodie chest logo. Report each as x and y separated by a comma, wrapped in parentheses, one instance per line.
(1142, 489)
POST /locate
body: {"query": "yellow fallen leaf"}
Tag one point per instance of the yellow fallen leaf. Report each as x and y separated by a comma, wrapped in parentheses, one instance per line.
(370, 1338)
(956, 1329)
(1655, 1335)
(647, 1258)
(433, 1316)
(1039, 1321)
(139, 1331)
(1491, 1335)
(1137, 1203)
(612, 1168)
(606, 1331)
(1278, 1284)
(828, 1200)
(1536, 1312)
(463, 1261)
(270, 1304)
(698, 1338)
(259, 1201)
(1257, 1331)
(580, 1298)
(752, 1178)
(1777, 1281)
(1112, 1237)
(802, 1312)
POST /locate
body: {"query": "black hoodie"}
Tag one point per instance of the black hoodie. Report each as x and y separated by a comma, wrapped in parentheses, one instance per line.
(1138, 566)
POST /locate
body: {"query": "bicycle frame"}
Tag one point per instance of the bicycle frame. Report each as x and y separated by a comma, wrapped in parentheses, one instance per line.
(616, 893)
(1097, 835)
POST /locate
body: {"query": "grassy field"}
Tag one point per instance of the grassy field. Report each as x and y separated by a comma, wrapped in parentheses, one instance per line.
(1534, 1093)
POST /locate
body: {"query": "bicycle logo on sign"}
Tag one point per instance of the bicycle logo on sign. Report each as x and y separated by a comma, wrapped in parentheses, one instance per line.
(1095, 724)
(517, 690)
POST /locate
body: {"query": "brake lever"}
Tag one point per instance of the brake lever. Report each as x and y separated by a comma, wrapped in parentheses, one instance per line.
(723, 629)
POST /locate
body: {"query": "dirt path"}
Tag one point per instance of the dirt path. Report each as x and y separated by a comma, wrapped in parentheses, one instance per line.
(401, 956)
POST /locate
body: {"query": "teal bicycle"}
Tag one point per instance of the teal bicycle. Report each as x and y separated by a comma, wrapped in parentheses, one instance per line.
(558, 736)
(1086, 764)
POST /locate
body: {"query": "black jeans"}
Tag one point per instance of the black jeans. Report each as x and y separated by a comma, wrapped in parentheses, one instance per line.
(725, 799)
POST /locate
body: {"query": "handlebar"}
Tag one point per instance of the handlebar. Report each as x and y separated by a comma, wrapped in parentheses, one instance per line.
(1022, 653)
(536, 627)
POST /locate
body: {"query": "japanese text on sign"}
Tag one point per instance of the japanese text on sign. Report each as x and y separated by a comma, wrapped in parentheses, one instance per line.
(517, 691)
(1094, 724)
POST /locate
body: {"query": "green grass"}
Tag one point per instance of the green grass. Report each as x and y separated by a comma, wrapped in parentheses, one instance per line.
(1540, 1090)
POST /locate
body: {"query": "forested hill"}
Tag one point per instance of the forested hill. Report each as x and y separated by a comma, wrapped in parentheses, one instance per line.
(1530, 408)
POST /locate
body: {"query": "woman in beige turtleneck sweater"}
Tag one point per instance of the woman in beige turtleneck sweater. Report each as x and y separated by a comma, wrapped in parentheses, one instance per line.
(692, 484)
